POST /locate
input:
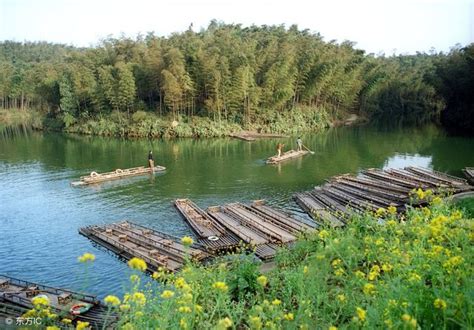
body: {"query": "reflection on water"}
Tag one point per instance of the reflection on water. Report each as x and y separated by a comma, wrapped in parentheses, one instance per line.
(40, 212)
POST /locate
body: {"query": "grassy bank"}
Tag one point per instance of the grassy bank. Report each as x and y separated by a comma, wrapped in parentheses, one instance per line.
(151, 125)
(406, 273)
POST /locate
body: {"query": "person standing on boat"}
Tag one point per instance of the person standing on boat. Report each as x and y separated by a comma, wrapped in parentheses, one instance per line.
(151, 162)
(279, 148)
(299, 143)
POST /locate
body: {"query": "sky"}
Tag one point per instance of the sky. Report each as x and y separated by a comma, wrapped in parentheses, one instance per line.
(377, 26)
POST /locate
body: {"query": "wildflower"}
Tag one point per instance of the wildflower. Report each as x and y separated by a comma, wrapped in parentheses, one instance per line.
(414, 277)
(112, 300)
(81, 325)
(305, 270)
(184, 309)
(361, 313)
(440, 303)
(369, 289)
(139, 314)
(139, 298)
(53, 327)
(137, 263)
(359, 274)
(86, 257)
(180, 282)
(220, 286)
(224, 323)
(134, 278)
(380, 241)
(39, 301)
(323, 234)
(183, 324)
(453, 262)
(156, 275)
(276, 302)
(198, 308)
(255, 322)
(392, 210)
(332, 327)
(187, 241)
(124, 307)
(339, 272)
(341, 297)
(388, 323)
(262, 280)
(167, 294)
(406, 317)
(387, 267)
(320, 256)
(413, 323)
(436, 201)
(336, 262)
(391, 223)
(66, 321)
(289, 317)
(420, 193)
(380, 212)
(372, 276)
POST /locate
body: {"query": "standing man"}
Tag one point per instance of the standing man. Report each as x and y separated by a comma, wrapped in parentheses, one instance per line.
(299, 143)
(151, 162)
(279, 148)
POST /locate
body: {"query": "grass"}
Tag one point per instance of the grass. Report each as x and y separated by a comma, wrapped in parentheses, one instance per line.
(467, 205)
(408, 273)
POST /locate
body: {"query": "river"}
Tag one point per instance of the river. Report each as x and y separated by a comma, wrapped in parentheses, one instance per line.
(40, 212)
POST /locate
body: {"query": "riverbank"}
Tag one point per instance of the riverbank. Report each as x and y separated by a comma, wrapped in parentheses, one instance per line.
(150, 125)
(403, 274)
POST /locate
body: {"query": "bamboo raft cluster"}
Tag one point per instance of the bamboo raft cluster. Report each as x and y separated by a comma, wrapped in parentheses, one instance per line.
(252, 136)
(157, 249)
(343, 195)
(469, 173)
(286, 156)
(95, 177)
(258, 225)
(16, 299)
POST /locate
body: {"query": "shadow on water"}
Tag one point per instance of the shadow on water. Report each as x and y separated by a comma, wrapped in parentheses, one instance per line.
(40, 212)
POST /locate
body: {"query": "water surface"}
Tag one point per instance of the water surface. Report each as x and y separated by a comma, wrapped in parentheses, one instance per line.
(40, 212)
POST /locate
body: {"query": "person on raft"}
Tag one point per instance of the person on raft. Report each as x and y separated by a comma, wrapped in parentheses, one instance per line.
(279, 148)
(299, 143)
(151, 162)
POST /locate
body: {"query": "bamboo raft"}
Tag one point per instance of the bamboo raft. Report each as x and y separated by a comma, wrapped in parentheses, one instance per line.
(211, 233)
(95, 177)
(291, 154)
(344, 195)
(469, 173)
(242, 137)
(157, 249)
(16, 299)
(252, 136)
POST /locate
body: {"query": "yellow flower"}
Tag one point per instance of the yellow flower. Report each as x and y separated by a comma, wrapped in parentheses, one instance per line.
(440, 303)
(361, 314)
(323, 234)
(220, 286)
(112, 300)
(86, 257)
(66, 321)
(124, 307)
(255, 322)
(332, 327)
(40, 301)
(53, 327)
(339, 272)
(336, 262)
(289, 317)
(81, 325)
(369, 289)
(198, 308)
(420, 193)
(305, 270)
(134, 278)
(156, 275)
(184, 309)
(387, 267)
(392, 209)
(183, 324)
(139, 314)
(276, 302)
(139, 298)
(436, 201)
(137, 263)
(319, 256)
(224, 323)
(413, 323)
(167, 294)
(187, 241)
(262, 280)
(359, 274)
(341, 297)
(380, 212)
(406, 317)
(187, 297)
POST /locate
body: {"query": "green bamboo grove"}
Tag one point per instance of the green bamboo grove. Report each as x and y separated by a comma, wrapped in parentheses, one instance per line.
(233, 74)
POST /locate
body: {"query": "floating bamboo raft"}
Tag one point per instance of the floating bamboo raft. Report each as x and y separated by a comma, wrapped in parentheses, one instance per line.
(343, 195)
(469, 173)
(242, 137)
(252, 136)
(156, 249)
(95, 177)
(286, 156)
(211, 233)
(16, 299)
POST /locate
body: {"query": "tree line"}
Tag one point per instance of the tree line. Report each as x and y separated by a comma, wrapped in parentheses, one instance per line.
(234, 73)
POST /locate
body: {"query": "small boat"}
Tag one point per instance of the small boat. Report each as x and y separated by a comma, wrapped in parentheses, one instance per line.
(95, 177)
(286, 156)
(16, 299)
(469, 173)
